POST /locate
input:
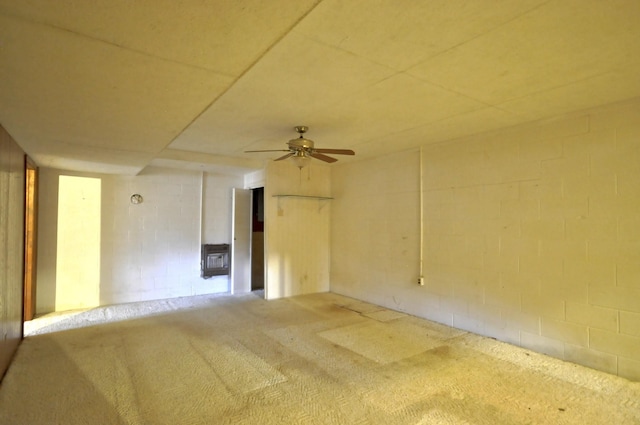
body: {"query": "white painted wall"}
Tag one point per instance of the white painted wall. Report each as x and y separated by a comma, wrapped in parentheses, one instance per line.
(296, 229)
(150, 250)
(255, 179)
(374, 230)
(216, 207)
(532, 235)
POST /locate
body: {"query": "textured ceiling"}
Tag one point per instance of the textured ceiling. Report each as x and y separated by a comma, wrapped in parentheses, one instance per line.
(115, 85)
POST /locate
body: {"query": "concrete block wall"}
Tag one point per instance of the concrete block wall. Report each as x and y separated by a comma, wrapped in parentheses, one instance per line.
(149, 250)
(530, 235)
(153, 251)
(216, 207)
(375, 222)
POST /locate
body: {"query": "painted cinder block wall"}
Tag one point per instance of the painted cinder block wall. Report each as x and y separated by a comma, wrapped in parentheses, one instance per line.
(531, 235)
(150, 250)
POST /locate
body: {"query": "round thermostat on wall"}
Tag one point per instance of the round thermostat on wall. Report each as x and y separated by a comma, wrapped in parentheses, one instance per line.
(136, 198)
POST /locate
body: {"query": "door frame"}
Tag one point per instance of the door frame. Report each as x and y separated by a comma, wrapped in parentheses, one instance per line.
(241, 241)
(30, 239)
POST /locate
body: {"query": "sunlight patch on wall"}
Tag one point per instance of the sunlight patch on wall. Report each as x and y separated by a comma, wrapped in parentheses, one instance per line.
(78, 243)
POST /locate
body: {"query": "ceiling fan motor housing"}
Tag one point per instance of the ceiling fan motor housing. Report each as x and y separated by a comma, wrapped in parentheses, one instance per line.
(301, 144)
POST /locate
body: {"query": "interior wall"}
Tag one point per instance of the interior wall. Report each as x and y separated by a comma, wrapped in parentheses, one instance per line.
(12, 201)
(216, 208)
(296, 229)
(149, 250)
(532, 235)
(375, 224)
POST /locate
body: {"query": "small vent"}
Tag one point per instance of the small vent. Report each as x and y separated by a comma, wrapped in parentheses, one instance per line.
(215, 260)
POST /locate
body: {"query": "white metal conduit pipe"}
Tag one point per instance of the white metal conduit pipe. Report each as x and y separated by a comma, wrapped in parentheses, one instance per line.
(421, 190)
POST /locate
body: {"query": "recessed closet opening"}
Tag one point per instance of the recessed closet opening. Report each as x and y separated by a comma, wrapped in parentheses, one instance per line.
(257, 239)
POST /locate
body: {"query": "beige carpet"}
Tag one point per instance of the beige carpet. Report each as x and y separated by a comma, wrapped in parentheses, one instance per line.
(317, 359)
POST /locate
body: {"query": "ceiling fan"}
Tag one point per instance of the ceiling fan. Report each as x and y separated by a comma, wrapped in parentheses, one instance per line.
(302, 150)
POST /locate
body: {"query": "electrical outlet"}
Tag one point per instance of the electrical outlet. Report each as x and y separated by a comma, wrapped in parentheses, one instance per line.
(421, 281)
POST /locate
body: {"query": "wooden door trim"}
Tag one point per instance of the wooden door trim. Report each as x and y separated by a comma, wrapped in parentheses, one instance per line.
(30, 238)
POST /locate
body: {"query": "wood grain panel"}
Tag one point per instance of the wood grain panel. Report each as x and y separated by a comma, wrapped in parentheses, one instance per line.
(296, 229)
(12, 198)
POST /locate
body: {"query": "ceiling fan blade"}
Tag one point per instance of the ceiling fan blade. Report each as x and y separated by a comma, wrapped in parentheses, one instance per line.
(336, 151)
(284, 157)
(322, 157)
(270, 150)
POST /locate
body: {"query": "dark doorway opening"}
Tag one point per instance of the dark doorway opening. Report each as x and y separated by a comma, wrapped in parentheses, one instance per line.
(257, 239)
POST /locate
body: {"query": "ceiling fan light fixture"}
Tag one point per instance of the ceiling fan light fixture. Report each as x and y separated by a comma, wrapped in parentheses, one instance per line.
(301, 159)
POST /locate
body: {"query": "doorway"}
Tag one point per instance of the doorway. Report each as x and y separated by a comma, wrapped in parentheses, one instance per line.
(78, 243)
(257, 239)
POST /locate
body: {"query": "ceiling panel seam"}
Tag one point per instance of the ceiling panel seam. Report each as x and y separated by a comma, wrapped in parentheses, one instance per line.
(243, 73)
(480, 35)
(109, 43)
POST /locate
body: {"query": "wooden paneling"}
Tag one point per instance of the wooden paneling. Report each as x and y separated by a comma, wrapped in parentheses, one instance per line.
(296, 229)
(12, 198)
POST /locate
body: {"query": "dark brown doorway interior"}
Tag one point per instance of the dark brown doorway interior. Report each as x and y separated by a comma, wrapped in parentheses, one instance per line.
(257, 239)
